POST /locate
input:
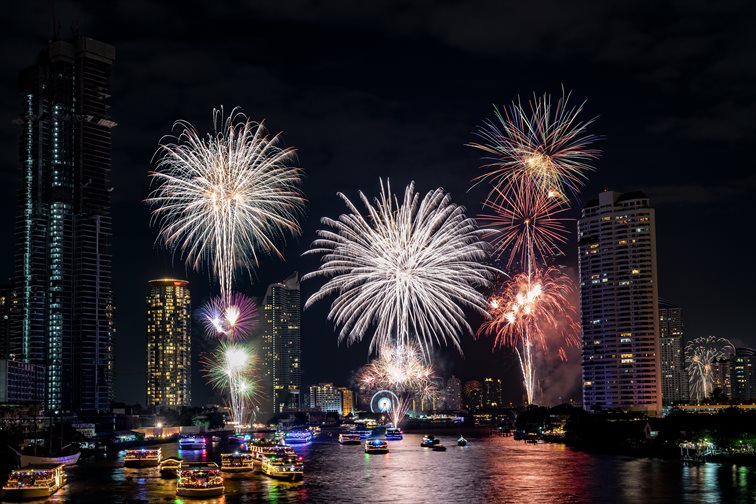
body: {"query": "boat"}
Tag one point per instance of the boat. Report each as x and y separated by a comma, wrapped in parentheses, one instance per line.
(461, 441)
(283, 466)
(298, 437)
(376, 446)
(394, 434)
(349, 438)
(169, 466)
(37, 481)
(266, 447)
(429, 441)
(199, 479)
(69, 456)
(438, 447)
(237, 463)
(192, 443)
(142, 457)
(364, 433)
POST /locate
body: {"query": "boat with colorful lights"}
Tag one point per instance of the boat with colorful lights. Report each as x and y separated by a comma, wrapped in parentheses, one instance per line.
(192, 443)
(142, 457)
(349, 438)
(169, 466)
(35, 481)
(394, 434)
(199, 480)
(289, 466)
(298, 437)
(376, 446)
(429, 441)
(237, 463)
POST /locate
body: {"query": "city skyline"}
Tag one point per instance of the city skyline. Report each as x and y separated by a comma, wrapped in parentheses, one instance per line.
(460, 169)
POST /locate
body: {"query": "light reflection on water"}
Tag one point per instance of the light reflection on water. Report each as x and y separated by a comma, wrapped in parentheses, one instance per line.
(487, 470)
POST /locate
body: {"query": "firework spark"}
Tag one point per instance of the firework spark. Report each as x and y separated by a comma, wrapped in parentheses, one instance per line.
(529, 308)
(231, 319)
(400, 373)
(526, 225)
(407, 268)
(231, 368)
(545, 145)
(226, 198)
(700, 355)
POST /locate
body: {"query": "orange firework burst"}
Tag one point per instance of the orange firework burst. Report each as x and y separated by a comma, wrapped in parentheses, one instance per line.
(526, 224)
(533, 306)
(544, 145)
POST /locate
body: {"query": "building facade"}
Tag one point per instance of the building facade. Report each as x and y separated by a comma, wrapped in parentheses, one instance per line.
(281, 345)
(21, 382)
(743, 374)
(619, 302)
(169, 344)
(347, 401)
(325, 397)
(473, 395)
(6, 304)
(453, 394)
(63, 230)
(674, 376)
(492, 393)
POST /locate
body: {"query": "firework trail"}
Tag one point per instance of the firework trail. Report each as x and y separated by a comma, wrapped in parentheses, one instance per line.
(230, 319)
(403, 269)
(231, 367)
(543, 145)
(398, 375)
(226, 198)
(700, 354)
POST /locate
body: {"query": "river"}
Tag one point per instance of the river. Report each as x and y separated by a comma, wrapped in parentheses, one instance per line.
(491, 469)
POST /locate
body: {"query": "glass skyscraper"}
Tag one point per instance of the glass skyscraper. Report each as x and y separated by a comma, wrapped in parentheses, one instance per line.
(169, 345)
(63, 232)
(281, 347)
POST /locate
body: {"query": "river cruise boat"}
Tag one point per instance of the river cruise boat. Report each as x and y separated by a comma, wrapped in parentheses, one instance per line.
(289, 467)
(298, 437)
(169, 466)
(265, 447)
(394, 434)
(429, 441)
(199, 480)
(364, 433)
(461, 441)
(35, 481)
(192, 443)
(142, 457)
(237, 463)
(376, 446)
(349, 438)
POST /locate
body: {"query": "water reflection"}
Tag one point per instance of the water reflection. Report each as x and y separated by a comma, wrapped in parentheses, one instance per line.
(487, 470)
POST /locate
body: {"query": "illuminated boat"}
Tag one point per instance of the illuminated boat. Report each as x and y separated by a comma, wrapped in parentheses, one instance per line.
(283, 466)
(192, 443)
(35, 481)
(461, 441)
(142, 457)
(237, 463)
(349, 438)
(364, 433)
(394, 434)
(429, 441)
(376, 446)
(298, 437)
(169, 467)
(266, 447)
(199, 479)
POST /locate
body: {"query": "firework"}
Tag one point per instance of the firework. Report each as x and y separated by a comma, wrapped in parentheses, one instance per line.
(231, 319)
(231, 368)
(529, 308)
(398, 376)
(405, 268)
(226, 198)
(540, 144)
(526, 225)
(700, 355)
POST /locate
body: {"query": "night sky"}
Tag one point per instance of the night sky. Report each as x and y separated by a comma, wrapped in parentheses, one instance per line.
(389, 90)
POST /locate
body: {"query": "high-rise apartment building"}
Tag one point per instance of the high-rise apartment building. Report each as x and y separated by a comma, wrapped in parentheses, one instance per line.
(281, 347)
(325, 397)
(743, 374)
(674, 377)
(473, 395)
(169, 344)
(453, 394)
(347, 401)
(492, 393)
(63, 231)
(6, 304)
(619, 302)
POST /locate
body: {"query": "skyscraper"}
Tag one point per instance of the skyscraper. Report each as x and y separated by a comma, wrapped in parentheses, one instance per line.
(619, 303)
(6, 303)
(453, 394)
(347, 401)
(63, 231)
(743, 374)
(326, 397)
(492, 393)
(674, 377)
(169, 344)
(281, 348)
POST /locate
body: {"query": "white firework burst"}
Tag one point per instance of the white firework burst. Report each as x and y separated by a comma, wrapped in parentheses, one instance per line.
(403, 269)
(700, 356)
(225, 198)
